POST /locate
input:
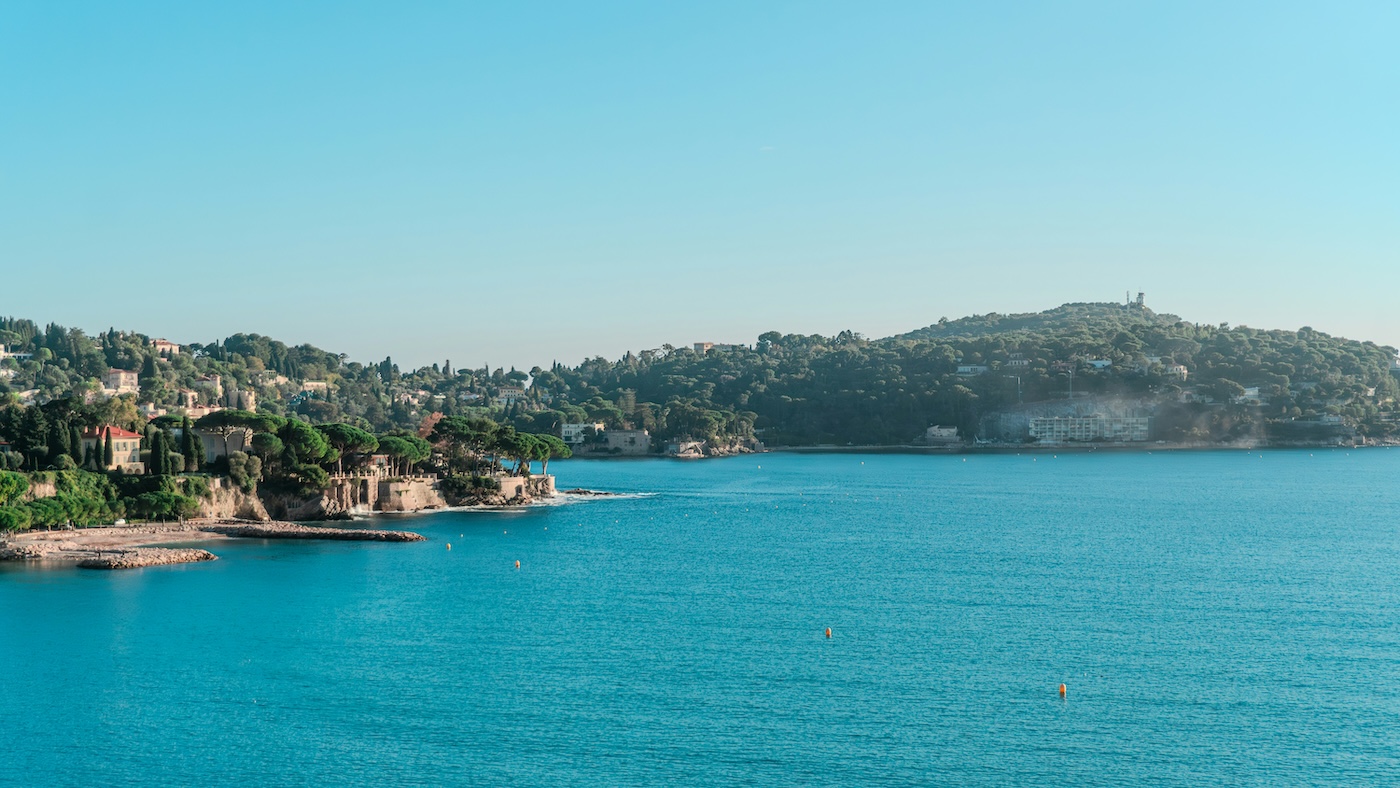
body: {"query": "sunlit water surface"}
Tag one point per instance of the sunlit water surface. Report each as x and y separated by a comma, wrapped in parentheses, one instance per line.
(1227, 618)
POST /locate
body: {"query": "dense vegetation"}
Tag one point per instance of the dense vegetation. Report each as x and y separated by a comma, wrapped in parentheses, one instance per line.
(1197, 380)
(802, 390)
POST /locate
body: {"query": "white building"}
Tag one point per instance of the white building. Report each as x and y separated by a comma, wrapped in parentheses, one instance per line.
(1069, 429)
(940, 434)
(1099, 363)
(4, 354)
(969, 370)
(122, 381)
(574, 434)
(1249, 397)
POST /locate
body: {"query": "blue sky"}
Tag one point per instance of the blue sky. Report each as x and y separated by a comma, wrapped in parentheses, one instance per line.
(516, 183)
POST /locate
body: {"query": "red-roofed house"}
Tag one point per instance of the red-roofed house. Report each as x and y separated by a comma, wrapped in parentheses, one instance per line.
(126, 448)
(164, 347)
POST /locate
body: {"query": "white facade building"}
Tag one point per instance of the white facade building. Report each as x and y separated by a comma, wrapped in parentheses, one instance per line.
(1066, 429)
(574, 434)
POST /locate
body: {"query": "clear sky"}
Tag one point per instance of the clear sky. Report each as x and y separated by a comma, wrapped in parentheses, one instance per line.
(516, 182)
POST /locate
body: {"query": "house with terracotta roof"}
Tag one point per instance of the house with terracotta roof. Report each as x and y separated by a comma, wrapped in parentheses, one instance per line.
(164, 347)
(126, 448)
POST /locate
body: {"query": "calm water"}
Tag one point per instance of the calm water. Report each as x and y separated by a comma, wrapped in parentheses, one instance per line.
(1225, 618)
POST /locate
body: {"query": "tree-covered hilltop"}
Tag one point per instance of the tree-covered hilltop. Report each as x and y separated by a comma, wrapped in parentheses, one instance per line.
(1199, 382)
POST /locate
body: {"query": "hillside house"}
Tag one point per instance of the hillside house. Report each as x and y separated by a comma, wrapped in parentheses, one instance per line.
(126, 449)
(4, 354)
(164, 347)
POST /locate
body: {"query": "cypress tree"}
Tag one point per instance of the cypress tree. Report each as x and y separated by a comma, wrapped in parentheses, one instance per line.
(188, 446)
(160, 454)
(76, 444)
(58, 441)
(108, 457)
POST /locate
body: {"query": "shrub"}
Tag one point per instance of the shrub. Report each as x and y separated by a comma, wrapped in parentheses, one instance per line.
(462, 485)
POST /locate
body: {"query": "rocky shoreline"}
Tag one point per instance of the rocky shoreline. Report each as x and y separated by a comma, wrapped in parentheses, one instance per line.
(146, 556)
(298, 531)
(131, 547)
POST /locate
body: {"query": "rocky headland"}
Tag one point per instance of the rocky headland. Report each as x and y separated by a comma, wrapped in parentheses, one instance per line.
(132, 547)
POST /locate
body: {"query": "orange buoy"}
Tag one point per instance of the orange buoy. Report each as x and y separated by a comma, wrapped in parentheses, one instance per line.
(828, 631)
(517, 564)
(449, 545)
(1062, 690)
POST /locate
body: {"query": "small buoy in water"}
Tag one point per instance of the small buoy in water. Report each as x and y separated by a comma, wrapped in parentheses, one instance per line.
(449, 545)
(828, 631)
(1062, 690)
(517, 564)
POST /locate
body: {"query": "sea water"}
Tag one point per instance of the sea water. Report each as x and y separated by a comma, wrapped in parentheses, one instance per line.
(1227, 618)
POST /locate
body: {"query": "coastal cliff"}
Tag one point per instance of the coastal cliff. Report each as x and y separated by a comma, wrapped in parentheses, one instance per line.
(348, 496)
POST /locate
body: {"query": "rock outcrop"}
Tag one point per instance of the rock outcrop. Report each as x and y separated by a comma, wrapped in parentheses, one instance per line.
(298, 531)
(226, 501)
(356, 495)
(137, 557)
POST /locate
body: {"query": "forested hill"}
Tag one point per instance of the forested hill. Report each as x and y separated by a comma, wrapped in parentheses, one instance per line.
(1095, 318)
(1198, 382)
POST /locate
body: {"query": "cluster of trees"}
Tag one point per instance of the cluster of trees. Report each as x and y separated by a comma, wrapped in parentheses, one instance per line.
(83, 498)
(477, 447)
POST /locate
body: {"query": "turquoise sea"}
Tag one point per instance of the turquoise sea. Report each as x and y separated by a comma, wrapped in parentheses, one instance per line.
(1228, 618)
